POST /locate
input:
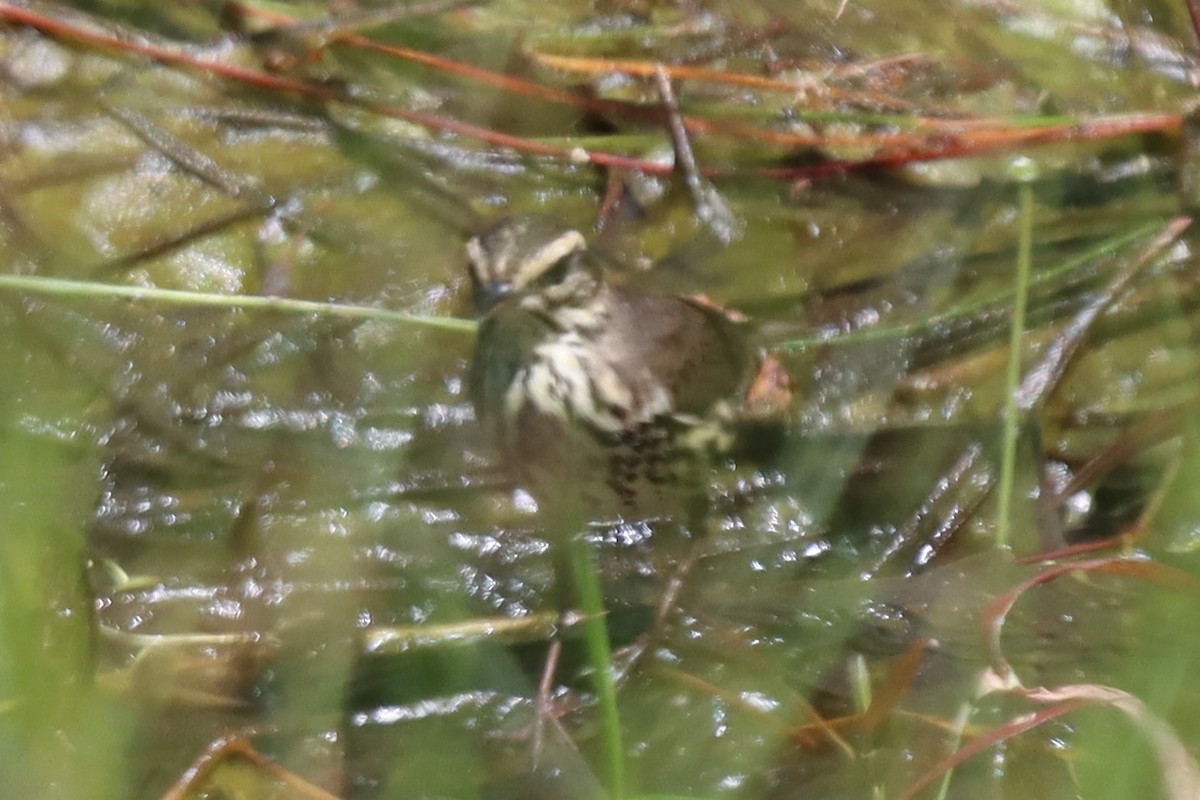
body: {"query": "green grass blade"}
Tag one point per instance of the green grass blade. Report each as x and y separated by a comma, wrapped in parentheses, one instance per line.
(58, 287)
(1012, 422)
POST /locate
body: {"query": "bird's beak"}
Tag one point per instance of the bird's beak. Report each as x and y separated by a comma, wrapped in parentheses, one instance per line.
(486, 297)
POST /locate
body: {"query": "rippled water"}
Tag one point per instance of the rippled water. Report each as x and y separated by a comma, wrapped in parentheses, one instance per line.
(290, 526)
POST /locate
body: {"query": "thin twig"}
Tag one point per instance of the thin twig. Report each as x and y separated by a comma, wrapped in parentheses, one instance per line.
(964, 470)
(633, 655)
(1041, 380)
(186, 157)
(710, 208)
(175, 241)
(542, 703)
(324, 31)
(226, 747)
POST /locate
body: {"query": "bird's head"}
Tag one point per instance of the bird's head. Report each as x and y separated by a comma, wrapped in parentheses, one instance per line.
(536, 260)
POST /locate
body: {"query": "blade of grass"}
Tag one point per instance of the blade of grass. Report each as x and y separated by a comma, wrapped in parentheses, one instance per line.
(931, 324)
(956, 738)
(1008, 457)
(34, 284)
(599, 654)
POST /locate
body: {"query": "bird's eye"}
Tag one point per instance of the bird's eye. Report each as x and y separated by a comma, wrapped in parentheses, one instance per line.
(552, 276)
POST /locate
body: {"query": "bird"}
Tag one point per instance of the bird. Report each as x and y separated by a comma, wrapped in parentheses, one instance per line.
(597, 393)
(604, 401)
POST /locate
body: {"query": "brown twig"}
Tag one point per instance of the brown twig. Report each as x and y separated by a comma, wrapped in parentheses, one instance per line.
(186, 157)
(226, 747)
(710, 208)
(1042, 379)
(887, 150)
(542, 702)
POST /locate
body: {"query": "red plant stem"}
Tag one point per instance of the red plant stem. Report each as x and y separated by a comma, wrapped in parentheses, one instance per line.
(266, 80)
(981, 743)
(487, 77)
(997, 610)
(616, 108)
(893, 149)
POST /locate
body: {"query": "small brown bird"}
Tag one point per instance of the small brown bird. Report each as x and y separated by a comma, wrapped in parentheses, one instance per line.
(597, 393)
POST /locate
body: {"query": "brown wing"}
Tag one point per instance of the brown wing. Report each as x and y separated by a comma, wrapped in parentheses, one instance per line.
(695, 352)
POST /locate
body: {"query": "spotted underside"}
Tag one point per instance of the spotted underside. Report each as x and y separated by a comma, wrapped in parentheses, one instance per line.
(620, 400)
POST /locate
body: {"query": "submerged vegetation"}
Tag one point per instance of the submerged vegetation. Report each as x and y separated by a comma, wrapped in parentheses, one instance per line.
(253, 542)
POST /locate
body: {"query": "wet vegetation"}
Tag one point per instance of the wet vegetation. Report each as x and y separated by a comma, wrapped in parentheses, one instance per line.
(254, 544)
